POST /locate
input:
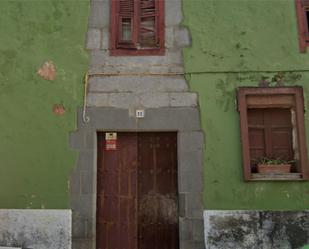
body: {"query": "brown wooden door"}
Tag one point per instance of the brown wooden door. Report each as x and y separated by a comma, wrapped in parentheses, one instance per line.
(137, 202)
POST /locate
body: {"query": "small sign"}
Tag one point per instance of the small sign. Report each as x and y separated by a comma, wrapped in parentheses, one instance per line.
(111, 140)
(140, 113)
(110, 136)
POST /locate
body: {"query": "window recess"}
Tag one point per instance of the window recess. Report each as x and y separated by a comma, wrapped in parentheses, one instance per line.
(272, 127)
(137, 27)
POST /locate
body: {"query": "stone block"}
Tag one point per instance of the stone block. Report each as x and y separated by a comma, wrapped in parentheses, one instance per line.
(79, 227)
(169, 37)
(191, 181)
(90, 140)
(154, 100)
(195, 139)
(77, 140)
(36, 229)
(191, 244)
(190, 160)
(86, 161)
(178, 119)
(83, 205)
(94, 39)
(105, 39)
(173, 10)
(183, 99)
(185, 229)
(111, 119)
(98, 99)
(83, 243)
(137, 84)
(98, 59)
(87, 182)
(174, 57)
(75, 183)
(123, 100)
(171, 62)
(182, 204)
(99, 14)
(182, 37)
(81, 124)
(194, 205)
(198, 229)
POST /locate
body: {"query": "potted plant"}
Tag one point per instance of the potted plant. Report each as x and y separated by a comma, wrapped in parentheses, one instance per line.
(269, 166)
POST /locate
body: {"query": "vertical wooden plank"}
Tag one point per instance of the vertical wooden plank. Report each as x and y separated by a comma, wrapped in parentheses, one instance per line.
(157, 191)
(117, 193)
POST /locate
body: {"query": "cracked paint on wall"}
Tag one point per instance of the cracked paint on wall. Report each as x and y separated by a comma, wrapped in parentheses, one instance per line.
(47, 71)
(36, 161)
(228, 52)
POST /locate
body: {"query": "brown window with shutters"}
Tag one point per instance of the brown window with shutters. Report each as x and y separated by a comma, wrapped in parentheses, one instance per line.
(272, 127)
(137, 27)
(302, 12)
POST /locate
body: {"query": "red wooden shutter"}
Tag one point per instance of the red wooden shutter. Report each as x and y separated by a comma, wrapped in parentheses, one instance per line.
(126, 16)
(302, 12)
(137, 27)
(270, 134)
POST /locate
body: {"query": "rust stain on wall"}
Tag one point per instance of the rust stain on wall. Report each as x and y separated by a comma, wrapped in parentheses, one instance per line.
(47, 71)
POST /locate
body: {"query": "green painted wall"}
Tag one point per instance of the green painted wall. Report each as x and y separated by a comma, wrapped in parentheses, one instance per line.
(35, 159)
(237, 43)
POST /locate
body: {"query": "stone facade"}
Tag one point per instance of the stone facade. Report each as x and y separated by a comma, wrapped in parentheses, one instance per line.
(118, 86)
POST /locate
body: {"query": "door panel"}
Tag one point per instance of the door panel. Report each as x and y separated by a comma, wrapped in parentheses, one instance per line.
(157, 191)
(117, 193)
(137, 202)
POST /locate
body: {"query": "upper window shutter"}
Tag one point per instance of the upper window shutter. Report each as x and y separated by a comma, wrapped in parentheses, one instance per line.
(137, 27)
(126, 16)
(148, 24)
(302, 7)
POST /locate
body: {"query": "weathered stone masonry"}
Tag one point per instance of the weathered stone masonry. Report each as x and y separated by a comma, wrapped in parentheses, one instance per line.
(118, 86)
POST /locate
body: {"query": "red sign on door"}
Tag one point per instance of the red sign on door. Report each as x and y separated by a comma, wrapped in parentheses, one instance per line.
(111, 141)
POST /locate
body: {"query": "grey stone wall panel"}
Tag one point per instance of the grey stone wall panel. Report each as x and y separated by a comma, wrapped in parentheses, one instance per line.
(190, 180)
(137, 84)
(173, 10)
(195, 139)
(99, 14)
(183, 99)
(35, 229)
(182, 37)
(247, 229)
(94, 39)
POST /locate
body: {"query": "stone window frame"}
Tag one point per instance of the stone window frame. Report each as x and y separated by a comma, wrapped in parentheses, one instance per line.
(190, 139)
(275, 97)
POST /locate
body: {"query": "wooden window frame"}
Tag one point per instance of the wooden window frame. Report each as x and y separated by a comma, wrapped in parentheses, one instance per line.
(277, 97)
(134, 50)
(303, 32)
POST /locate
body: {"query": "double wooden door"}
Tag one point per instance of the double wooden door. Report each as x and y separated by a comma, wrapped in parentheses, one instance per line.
(137, 201)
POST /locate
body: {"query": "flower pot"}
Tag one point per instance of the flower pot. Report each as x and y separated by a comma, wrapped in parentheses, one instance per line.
(274, 168)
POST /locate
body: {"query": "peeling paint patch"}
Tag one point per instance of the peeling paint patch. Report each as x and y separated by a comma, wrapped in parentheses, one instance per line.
(58, 109)
(47, 71)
